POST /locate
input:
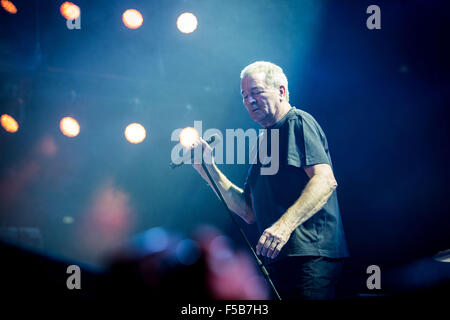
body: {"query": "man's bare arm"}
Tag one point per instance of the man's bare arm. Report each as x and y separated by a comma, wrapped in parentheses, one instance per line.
(233, 195)
(316, 193)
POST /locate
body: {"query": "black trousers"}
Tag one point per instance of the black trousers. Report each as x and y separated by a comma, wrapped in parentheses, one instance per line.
(306, 277)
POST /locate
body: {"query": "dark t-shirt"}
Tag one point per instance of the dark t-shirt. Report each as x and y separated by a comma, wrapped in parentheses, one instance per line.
(301, 143)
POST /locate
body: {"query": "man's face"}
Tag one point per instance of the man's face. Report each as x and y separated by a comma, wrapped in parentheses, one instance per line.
(261, 100)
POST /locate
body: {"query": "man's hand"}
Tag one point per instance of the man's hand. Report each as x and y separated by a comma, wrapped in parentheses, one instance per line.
(272, 240)
(207, 155)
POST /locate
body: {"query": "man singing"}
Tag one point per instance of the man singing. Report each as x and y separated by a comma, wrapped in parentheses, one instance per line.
(296, 209)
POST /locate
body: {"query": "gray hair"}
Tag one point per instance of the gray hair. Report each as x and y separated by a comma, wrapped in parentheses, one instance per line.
(274, 74)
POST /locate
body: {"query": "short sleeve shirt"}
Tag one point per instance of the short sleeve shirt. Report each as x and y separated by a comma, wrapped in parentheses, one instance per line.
(302, 143)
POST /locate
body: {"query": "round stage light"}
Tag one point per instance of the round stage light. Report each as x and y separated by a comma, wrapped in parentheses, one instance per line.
(187, 252)
(69, 10)
(187, 22)
(188, 136)
(69, 127)
(9, 123)
(9, 6)
(68, 220)
(135, 133)
(132, 18)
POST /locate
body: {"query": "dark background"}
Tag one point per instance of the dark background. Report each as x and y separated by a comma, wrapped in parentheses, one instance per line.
(381, 97)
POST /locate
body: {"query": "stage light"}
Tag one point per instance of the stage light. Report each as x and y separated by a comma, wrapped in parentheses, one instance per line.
(188, 136)
(69, 10)
(187, 22)
(155, 240)
(9, 123)
(69, 127)
(68, 220)
(442, 256)
(9, 6)
(187, 252)
(132, 18)
(135, 133)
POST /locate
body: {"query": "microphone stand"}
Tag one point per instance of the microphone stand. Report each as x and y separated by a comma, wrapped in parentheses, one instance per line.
(258, 261)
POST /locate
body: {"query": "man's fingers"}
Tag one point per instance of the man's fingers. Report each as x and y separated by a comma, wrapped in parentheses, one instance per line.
(277, 250)
(260, 243)
(263, 242)
(203, 142)
(272, 247)
(269, 245)
(266, 245)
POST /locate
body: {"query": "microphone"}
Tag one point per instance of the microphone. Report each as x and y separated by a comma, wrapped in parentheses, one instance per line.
(209, 141)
